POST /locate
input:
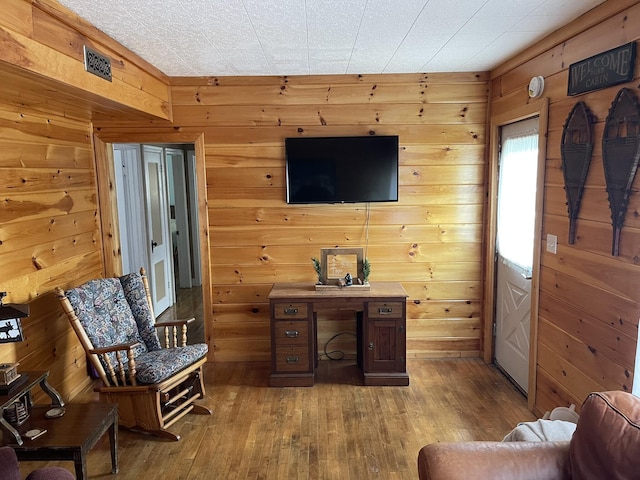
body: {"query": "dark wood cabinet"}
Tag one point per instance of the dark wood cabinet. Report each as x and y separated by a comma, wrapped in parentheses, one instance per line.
(381, 331)
(384, 352)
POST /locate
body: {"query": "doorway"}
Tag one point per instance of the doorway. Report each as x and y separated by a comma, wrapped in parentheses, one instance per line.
(156, 195)
(515, 232)
(535, 108)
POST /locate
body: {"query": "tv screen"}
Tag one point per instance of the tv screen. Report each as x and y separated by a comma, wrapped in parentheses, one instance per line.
(342, 169)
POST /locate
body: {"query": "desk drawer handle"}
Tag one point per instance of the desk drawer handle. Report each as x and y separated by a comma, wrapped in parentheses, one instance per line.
(290, 311)
(291, 333)
(385, 310)
(292, 359)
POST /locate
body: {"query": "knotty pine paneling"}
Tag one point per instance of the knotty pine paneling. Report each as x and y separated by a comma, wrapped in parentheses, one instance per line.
(430, 240)
(44, 42)
(49, 215)
(589, 300)
(49, 235)
(264, 115)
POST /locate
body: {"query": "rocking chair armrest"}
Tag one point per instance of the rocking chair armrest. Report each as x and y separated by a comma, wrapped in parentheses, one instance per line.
(175, 323)
(124, 371)
(114, 348)
(171, 329)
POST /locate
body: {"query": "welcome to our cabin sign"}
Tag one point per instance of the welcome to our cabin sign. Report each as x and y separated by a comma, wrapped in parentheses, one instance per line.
(602, 70)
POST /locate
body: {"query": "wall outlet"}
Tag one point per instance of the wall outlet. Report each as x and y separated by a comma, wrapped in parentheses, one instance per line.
(552, 243)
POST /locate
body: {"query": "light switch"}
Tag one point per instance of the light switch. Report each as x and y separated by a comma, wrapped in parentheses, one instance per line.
(552, 243)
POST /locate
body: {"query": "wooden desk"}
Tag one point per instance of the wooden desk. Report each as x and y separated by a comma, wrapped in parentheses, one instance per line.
(381, 314)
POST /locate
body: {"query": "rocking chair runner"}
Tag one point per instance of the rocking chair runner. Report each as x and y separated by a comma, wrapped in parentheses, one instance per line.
(153, 386)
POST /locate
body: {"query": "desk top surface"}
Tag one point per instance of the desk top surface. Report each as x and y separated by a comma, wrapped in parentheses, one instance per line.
(308, 291)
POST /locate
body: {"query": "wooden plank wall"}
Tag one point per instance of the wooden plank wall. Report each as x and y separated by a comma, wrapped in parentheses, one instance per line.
(430, 240)
(49, 234)
(589, 300)
(46, 39)
(49, 215)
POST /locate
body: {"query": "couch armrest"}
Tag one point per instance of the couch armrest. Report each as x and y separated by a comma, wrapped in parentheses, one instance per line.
(50, 473)
(494, 460)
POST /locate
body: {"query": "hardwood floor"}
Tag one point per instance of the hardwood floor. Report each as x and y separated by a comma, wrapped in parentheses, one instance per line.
(188, 304)
(337, 429)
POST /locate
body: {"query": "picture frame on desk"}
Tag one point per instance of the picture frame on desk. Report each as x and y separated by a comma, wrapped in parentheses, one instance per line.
(337, 262)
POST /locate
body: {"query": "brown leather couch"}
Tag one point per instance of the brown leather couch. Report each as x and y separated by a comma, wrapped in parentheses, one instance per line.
(605, 446)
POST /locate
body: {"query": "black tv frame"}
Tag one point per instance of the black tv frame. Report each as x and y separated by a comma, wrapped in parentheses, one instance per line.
(348, 169)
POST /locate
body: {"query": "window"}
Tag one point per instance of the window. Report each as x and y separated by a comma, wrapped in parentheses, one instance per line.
(517, 194)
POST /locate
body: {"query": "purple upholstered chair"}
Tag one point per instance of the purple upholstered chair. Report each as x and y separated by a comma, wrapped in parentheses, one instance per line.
(10, 469)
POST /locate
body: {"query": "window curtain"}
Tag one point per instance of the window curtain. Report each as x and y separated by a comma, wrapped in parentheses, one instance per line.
(517, 197)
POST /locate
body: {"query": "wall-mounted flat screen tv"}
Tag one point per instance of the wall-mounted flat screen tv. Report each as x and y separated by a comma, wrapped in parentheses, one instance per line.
(342, 169)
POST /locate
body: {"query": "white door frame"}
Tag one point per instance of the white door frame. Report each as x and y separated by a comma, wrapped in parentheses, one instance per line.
(540, 108)
(131, 172)
(194, 220)
(176, 168)
(103, 146)
(160, 252)
(131, 207)
(513, 268)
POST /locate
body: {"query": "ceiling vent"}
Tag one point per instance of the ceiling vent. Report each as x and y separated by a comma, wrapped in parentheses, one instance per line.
(97, 63)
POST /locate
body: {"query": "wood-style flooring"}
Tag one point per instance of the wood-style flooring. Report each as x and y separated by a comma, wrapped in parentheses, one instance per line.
(337, 429)
(188, 305)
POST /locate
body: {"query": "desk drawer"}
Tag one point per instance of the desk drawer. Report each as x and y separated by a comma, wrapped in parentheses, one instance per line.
(384, 310)
(292, 359)
(285, 311)
(292, 333)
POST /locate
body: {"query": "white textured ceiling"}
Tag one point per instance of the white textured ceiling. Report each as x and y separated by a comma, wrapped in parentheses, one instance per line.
(308, 37)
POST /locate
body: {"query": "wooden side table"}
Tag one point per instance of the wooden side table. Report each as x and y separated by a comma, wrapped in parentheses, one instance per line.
(22, 389)
(71, 436)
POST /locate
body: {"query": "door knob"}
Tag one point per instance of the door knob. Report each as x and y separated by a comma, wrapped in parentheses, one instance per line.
(154, 244)
(370, 345)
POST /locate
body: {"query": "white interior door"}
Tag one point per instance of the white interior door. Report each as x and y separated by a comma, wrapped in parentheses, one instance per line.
(161, 265)
(131, 207)
(518, 167)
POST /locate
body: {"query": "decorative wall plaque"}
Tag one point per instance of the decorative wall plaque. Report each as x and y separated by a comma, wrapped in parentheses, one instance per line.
(620, 154)
(603, 70)
(576, 149)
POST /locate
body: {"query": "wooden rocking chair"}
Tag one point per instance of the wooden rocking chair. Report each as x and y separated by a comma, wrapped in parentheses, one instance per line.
(153, 385)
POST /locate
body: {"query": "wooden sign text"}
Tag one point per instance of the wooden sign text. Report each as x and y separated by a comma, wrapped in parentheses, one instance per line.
(602, 70)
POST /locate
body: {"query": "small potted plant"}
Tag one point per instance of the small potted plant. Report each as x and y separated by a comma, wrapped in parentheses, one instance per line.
(318, 269)
(366, 270)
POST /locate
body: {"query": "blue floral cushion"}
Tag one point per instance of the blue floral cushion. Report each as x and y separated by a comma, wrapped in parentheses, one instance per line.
(105, 314)
(157, 365)
(115, 310)
(136, 296)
